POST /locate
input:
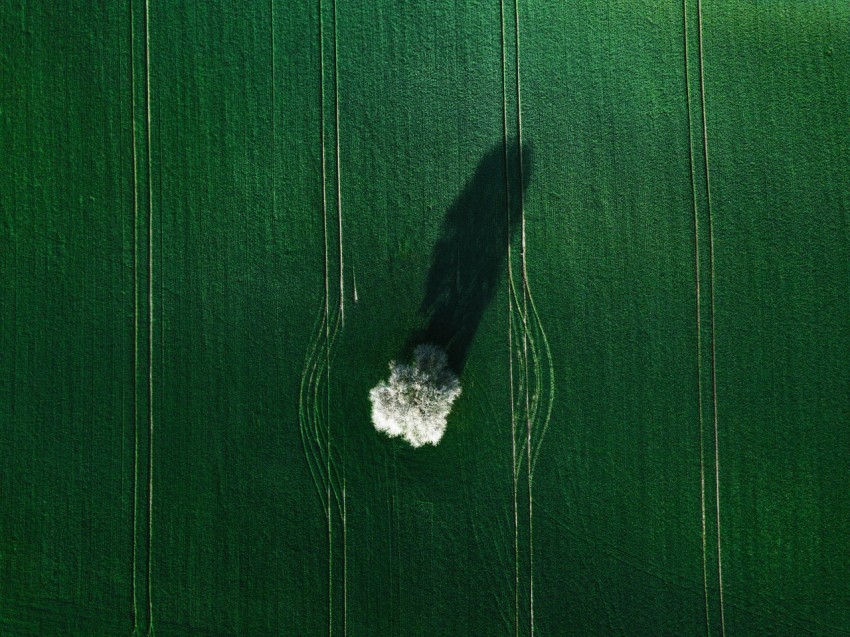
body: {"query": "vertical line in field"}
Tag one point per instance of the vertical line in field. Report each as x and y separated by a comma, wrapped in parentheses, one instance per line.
(274, 109)
(135, 591)
(150, 308)
(697, 272)
(324, 167)
(705, 309)
(712, 312)
(329, 511)
(142, 314)
(514, 474)
(341, 319)
(338, 179)
(327, 467)
(322, 142)
(315, 392)
(525, 334)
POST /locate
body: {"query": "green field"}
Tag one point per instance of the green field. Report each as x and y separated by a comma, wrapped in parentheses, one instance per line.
(627, 222)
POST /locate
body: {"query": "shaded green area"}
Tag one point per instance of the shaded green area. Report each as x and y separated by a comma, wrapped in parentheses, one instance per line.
(189, 190)
(66, 333)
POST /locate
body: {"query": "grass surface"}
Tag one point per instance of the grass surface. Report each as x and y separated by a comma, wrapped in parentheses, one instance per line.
(221, 222)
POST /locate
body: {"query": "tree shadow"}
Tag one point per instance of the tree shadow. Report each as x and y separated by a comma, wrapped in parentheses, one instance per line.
(469, 257)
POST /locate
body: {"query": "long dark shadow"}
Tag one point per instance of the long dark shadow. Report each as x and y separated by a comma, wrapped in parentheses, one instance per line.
(469, 258)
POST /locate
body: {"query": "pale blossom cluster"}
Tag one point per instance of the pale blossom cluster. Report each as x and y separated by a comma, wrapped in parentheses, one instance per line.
(416, 400)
